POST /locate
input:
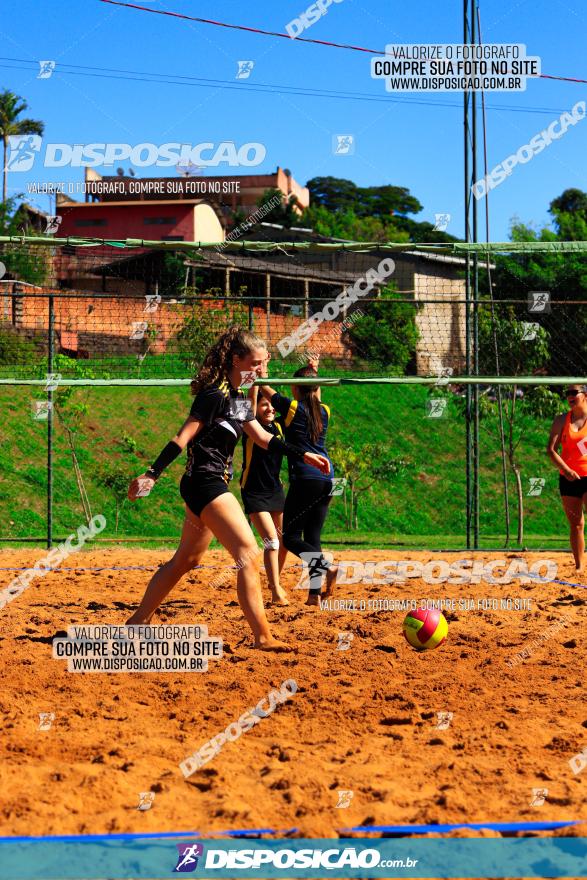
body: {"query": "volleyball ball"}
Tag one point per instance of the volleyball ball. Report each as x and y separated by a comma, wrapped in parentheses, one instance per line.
(425, 629)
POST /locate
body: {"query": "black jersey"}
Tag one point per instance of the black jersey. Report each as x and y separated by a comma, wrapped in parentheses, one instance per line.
(222, 409)
(260, 466)
(297, 432)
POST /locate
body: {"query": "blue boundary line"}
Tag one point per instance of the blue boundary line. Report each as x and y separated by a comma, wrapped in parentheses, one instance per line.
(99, 838)
(494, 826)
(366, 829)
(553, 581)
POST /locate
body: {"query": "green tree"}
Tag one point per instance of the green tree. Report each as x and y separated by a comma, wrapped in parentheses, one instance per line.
(341, 209)
(571, 201)
(421, 231)
(115, 479)
(338, 194)
(286, 213)
(362, 468)
(202, 324)
(346, 224)
(386, 334)
(564, 276)
(22, 262)
(11, 106)
(172, 276)
(334, 193)
(569, 211)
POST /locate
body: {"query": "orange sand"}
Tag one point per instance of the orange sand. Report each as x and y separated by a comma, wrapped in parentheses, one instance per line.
(362, 719)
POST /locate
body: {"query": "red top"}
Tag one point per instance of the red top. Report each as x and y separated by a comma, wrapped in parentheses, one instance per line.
(574, 447)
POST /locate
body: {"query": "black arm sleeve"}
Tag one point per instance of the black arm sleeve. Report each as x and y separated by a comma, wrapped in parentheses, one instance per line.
(167, 455)
(277, 445)
(281, 403)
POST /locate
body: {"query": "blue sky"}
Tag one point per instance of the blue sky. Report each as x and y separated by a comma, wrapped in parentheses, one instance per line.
(402, 142)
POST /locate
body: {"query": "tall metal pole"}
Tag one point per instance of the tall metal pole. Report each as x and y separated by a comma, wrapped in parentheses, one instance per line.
(468, 505)
(475, 316)
(50, 429)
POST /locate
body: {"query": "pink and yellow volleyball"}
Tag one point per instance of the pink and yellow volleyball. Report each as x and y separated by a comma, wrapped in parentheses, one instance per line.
(425, 629)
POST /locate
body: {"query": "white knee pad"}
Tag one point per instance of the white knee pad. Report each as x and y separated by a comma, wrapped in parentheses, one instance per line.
(271, 543)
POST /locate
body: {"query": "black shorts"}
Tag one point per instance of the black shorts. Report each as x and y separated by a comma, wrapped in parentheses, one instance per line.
(259, 502)
(198, 491)
(572, 488)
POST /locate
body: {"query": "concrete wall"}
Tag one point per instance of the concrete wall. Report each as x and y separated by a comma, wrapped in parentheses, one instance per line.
(441, 324)
(207, 226)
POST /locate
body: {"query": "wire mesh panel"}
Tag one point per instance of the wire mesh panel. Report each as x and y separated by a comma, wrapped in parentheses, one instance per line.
(154, 313)
(105, 436)
(145, 312)
(399, 455)
(123, 319)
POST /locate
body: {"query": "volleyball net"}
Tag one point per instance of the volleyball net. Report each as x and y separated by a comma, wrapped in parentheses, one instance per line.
(443, 366)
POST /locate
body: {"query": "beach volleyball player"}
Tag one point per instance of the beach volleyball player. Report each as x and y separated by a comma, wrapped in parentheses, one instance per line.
(263, 496)
(305, 421)
(569, 432)
(219, 414)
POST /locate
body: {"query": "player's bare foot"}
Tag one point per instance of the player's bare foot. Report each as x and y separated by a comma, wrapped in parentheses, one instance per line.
(313, 600)
(271, 644)
(279, 597)
(330, 581)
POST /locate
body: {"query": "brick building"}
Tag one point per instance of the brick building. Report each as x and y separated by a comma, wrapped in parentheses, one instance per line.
(167, 208)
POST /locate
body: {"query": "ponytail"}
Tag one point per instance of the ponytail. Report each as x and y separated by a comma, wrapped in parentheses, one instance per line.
(218, 362)
(309, 395)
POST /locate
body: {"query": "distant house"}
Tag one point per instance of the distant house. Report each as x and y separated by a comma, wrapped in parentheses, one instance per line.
(232, 191)
(167, 208)
(163, 220)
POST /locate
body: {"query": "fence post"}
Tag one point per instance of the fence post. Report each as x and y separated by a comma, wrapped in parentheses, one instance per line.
(50, 430)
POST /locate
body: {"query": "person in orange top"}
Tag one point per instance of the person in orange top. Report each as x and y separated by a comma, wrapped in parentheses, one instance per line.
(570, 433)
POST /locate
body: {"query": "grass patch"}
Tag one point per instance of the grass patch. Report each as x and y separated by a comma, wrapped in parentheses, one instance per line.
(125, 428)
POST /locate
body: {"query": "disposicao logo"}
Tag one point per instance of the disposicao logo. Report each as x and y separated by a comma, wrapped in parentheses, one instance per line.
(187, 860)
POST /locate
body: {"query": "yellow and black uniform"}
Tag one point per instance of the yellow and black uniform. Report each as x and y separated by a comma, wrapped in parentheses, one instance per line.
(296, 429)
(261, 487)
(309, 494)
(222, 409)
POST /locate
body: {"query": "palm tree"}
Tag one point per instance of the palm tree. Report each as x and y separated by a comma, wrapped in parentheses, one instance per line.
(11, 106)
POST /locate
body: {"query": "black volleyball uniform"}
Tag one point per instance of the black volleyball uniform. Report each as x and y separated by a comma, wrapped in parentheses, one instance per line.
(222, 409)
(297, 432)
(309, 495)
(261, 487)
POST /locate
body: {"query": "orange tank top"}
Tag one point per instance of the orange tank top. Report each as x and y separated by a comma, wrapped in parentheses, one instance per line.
(574, 447)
